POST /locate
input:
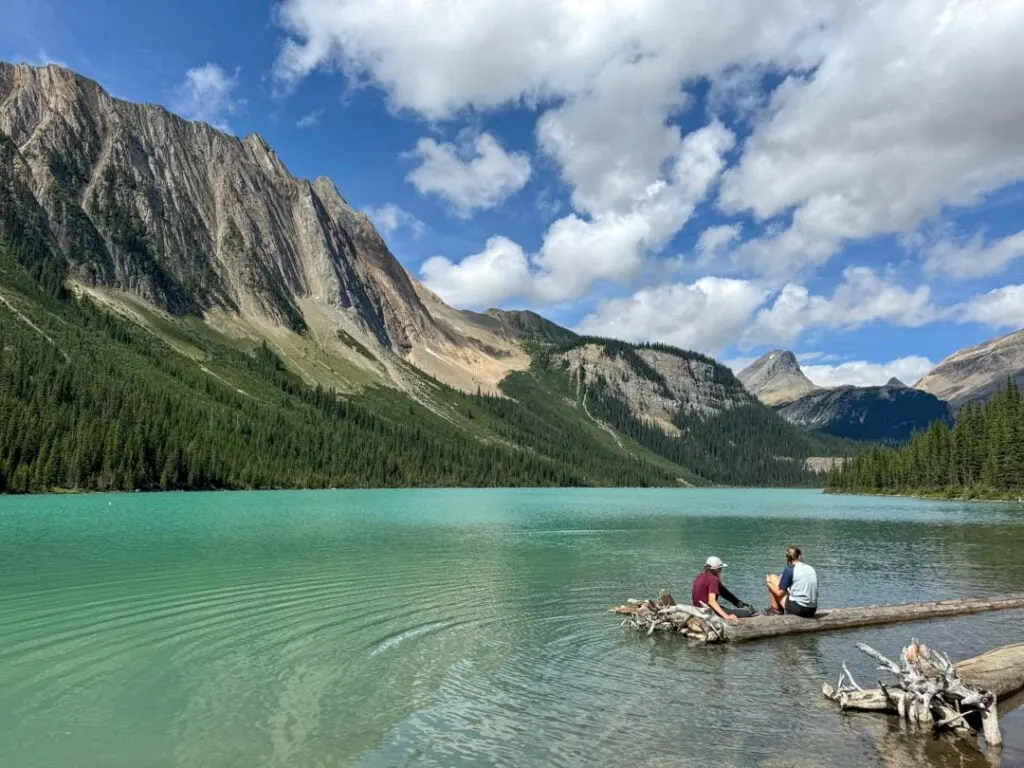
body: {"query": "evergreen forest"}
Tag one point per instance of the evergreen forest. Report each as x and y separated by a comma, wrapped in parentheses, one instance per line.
(91, 401)
(981, 456)
(748, 445)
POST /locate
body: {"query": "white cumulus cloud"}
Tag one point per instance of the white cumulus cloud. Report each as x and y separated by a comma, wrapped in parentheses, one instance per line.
(437, 57)
(607, 77)
(208, 94)
(477, 174)
(863, 297)
(578, 251)
(999, 308)
(975, 257)
(906, 113)
(861, 373)
(705, 315)
(714, 240)
(310, 119)
(499, 271)
(390, 218)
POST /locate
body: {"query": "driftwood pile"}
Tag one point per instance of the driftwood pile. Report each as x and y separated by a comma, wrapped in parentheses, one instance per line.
(927, 690)
(664, 615)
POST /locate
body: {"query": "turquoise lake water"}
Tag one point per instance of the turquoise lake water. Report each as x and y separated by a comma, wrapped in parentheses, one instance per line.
(467, 627)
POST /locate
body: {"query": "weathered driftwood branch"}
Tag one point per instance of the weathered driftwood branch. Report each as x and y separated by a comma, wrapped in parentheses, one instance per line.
(931, 690)
(643, 618)
(664, 615)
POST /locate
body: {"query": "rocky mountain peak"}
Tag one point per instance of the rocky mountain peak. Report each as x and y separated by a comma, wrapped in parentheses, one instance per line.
(146, 205)
(783, 358)
(895, 383)
(776, 378)
(264, 154)
(192, 220)
(526, 325)
(655, 383)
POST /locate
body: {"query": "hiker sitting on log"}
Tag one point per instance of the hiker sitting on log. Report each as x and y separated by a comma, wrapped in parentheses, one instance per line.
(795, 592)
(707, 588)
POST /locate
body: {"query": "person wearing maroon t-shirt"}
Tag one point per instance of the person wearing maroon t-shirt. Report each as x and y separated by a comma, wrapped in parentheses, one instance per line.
(708, 587)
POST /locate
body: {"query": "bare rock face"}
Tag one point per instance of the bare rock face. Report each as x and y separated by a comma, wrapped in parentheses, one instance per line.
(656, 384)
(978, 372)
(821, 465)
(190, 219)
(699, 384)
(776, 378)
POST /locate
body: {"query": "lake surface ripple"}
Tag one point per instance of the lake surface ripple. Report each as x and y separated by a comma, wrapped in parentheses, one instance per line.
(463, 627)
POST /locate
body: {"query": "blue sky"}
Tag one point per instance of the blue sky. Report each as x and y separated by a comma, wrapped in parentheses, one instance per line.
(844, 180)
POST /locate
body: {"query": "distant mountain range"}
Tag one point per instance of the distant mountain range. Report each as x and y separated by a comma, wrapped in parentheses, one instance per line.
(889, 413)
(178, 311)
(892, 412)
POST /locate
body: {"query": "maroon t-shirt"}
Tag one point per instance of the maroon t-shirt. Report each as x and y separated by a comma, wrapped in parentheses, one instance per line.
(706, 584)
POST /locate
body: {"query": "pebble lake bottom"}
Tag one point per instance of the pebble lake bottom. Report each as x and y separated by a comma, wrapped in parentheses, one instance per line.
(465, 627)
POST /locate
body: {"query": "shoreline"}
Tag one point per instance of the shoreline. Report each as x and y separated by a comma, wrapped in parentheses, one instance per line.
(1005, 499)
(140, 491)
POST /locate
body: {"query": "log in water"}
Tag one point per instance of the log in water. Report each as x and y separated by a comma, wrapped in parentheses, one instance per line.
(1000, 671)
(865, 616)
(701, 624)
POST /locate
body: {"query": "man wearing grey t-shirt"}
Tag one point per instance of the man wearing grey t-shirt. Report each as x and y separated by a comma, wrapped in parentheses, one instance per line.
(795, 592)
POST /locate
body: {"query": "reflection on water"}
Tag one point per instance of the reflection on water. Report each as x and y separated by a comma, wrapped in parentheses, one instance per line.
(462, 627)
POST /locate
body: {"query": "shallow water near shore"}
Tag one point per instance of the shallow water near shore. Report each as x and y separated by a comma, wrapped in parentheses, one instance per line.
(468, 627)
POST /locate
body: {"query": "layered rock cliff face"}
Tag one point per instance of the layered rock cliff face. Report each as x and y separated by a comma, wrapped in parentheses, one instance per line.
(192, 220)
(977, 372)
(655, 384)
(776, 378)
(890, 413)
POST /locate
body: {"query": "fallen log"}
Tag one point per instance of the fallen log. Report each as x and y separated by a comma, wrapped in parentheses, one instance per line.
(1000, 671)
(650, 616)
(866, 616)
(931, 690)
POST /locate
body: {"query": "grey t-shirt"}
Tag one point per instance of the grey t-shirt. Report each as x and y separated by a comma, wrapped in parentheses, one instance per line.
(802, 582)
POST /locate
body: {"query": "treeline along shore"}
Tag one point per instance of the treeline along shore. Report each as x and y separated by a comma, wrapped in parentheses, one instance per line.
(980, 457)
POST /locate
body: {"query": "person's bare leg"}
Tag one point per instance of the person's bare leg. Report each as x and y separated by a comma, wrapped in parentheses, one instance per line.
(774, 592)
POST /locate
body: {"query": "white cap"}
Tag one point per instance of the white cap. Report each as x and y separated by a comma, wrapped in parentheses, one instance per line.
(715, 563)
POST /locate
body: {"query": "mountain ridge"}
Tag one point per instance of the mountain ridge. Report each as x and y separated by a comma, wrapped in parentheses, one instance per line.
(977, 372)
(194, 221)
(891, 412)
(885, 413)
(194, 271)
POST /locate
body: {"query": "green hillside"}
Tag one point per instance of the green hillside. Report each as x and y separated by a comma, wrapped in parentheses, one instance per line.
(746, 445)
(90, 400)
